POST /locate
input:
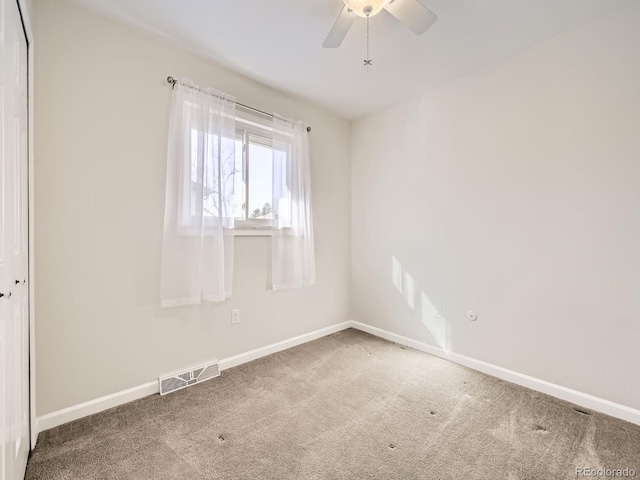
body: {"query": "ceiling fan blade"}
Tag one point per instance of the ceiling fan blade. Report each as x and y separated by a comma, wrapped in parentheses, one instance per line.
(413, 14)
(340, 28)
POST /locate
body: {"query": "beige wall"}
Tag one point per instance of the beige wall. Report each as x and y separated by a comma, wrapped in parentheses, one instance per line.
(101, 119)
(514, 192)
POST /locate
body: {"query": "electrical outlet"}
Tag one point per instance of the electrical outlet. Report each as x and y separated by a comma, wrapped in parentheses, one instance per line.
(235, 316)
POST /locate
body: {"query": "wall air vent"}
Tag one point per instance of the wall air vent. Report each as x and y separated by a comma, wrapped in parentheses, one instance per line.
(189, 377)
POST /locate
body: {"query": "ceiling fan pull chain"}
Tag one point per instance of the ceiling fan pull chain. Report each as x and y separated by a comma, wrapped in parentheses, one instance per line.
(367, 62)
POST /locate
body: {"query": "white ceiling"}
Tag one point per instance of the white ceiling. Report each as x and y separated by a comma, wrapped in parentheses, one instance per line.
(279, 42)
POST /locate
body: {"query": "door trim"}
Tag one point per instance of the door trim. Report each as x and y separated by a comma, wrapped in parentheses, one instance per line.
(25, 7)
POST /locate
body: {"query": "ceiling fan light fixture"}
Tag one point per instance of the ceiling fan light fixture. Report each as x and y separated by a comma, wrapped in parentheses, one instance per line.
(366, 8)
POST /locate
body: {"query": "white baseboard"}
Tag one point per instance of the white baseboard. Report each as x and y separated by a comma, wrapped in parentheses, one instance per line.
(582, 399)
(60, 417)
(85, 409)
(283, 345)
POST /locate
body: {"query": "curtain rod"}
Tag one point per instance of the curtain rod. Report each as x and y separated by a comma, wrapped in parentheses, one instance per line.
(173, 82)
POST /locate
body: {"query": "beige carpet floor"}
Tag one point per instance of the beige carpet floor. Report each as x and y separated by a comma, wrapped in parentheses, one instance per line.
(346, 406)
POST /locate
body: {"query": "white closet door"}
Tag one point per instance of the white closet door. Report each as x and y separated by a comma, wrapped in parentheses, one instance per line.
(14, 264)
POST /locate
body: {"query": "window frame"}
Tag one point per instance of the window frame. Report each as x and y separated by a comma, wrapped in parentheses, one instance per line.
(247, 126)
(246, 132)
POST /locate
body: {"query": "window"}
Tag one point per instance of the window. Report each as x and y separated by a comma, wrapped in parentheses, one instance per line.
(205, 188)
(250, 177)
(226, 169)
(253, 192)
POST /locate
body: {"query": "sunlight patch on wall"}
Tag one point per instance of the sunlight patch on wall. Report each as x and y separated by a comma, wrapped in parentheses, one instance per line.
(396, 274)
(435, 322)
(410, 291)
(430, 313)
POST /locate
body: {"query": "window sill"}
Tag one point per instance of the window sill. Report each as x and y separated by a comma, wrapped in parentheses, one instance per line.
(259, 231)
(240, 232)
(252, 232)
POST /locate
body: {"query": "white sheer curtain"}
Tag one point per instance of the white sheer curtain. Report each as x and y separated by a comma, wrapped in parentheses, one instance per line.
(292, 255)
(197, 251)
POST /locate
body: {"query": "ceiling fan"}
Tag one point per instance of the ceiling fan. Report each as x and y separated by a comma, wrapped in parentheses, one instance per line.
(410, 12)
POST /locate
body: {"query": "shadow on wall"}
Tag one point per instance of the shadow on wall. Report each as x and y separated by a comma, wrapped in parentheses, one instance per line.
(430, 313)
